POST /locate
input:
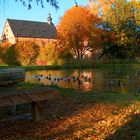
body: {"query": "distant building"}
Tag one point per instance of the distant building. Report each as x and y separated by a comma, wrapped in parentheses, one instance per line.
(23, 30)
(90, 1)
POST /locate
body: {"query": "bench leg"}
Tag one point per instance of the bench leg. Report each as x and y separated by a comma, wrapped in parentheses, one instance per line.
(38, 110)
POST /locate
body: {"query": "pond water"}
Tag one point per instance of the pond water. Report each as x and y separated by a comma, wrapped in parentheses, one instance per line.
(118, 80)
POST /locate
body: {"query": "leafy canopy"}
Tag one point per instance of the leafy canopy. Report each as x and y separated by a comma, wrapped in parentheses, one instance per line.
(27, 52)
(77, 31)
(122, 18)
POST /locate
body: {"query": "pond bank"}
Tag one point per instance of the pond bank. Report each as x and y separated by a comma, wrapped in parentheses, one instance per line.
(73, 66)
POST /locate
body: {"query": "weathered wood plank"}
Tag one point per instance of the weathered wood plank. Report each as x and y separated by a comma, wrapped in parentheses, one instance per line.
(28, 96)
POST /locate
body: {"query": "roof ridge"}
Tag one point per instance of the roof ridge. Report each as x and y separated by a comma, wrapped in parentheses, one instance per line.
(25, 20)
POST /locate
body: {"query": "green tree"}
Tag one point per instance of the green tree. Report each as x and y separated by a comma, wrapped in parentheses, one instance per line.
(123, 23)
(11, 56)
(8, 55)
(123, 20)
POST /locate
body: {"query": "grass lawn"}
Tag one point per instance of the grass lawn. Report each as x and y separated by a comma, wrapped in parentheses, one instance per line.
(77, 116)
(82, 64)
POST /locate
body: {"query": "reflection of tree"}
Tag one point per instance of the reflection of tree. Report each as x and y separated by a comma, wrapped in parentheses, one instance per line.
(85, 80)
(100, 80)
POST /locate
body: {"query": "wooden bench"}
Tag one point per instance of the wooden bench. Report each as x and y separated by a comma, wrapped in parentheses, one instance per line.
(36, 97)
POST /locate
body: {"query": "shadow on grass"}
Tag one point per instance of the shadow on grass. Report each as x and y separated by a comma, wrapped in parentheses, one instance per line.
(70, 105)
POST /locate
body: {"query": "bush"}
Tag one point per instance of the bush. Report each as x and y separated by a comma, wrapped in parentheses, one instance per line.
(8, 55)
(49, 54)
(11, 56)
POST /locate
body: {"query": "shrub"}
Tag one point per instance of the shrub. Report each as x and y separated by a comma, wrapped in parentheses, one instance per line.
(8, 55)
(49, 54)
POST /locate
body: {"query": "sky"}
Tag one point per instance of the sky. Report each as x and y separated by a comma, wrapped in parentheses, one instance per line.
(15, 10)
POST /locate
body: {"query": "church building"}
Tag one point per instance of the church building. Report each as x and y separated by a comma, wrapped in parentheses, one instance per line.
(23, 30)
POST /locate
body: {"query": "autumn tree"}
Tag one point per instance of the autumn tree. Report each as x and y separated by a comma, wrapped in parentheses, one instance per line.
(123, 22)
(78, 31)
(3, 50)
(49, 54)
(27, 52)
(123, 19)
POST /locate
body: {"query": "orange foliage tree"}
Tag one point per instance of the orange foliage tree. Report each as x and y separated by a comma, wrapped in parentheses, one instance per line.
(27, 52)
(78, 31)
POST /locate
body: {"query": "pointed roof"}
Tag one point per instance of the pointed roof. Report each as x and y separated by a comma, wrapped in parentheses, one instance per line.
(32, 29)
(49, 18)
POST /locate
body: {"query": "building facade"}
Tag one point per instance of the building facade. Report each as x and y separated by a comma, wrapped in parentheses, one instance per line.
(23, 30)
(90, 1)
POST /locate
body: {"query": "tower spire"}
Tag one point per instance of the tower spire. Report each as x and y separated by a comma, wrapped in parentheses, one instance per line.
(49, 18)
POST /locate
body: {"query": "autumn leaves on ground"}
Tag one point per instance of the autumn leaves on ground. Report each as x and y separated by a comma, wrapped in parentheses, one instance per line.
(98, 115)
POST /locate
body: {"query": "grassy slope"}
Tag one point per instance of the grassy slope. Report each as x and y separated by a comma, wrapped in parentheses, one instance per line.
(91, 115)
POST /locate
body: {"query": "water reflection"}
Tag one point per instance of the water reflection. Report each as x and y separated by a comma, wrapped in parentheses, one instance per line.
(86, 80)
(83, 80)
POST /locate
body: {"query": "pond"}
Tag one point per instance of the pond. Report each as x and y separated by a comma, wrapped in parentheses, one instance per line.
(116, 79)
